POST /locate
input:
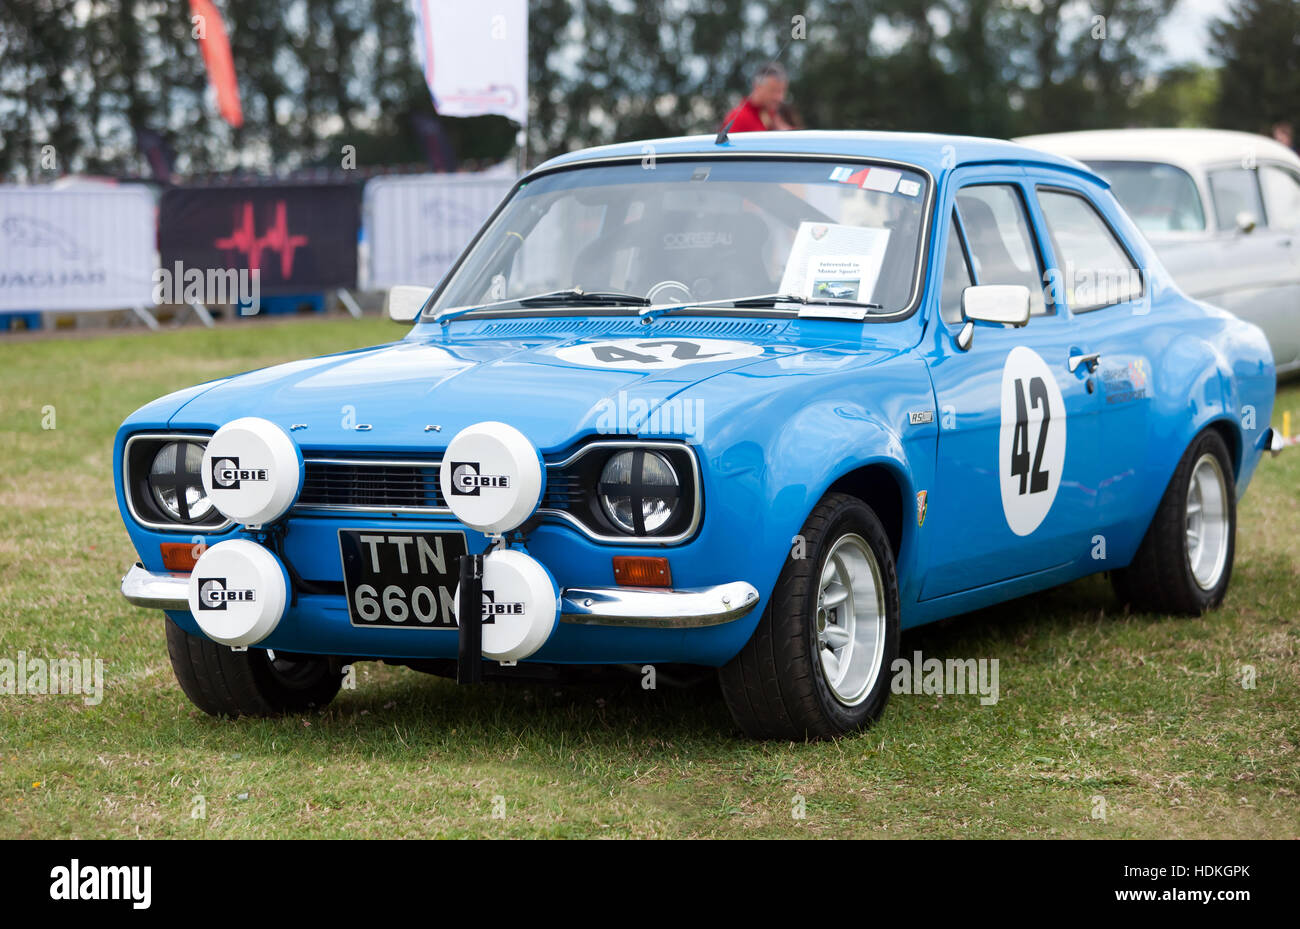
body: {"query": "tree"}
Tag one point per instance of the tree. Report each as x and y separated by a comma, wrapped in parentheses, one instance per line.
(1259, 44)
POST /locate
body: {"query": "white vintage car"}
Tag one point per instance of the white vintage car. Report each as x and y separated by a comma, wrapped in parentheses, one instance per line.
(1222, 210)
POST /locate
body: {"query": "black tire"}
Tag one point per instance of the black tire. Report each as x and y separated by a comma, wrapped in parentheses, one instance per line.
(222, 682)
(1160, 578)
(776, 687)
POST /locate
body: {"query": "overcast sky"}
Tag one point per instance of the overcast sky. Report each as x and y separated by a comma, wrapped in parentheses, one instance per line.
(1185, 32)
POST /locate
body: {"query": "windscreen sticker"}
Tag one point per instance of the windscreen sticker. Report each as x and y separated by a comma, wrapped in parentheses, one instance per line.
(655, 354)
(909, 188)
(1031, 445)
(881, 179)
(831, 261)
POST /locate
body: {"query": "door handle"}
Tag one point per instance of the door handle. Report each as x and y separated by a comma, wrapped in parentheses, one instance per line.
(1090, 359)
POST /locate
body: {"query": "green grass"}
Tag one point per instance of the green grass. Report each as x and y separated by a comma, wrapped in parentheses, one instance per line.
(1145, 712)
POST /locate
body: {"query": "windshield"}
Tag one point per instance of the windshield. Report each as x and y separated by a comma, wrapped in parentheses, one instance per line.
(676, 231)
(1159, 197)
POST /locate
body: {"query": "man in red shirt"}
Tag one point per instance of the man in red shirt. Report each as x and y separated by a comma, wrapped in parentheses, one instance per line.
(757, 112)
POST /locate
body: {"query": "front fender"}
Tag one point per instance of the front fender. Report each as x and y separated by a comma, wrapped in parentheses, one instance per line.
(768, 467)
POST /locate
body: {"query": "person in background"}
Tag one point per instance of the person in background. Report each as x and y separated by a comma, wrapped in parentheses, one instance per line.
(758, 111)
(1284, 132)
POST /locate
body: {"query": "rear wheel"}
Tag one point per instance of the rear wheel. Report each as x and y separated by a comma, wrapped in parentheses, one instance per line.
(815, 665)
(1184, 563)
(257, 682)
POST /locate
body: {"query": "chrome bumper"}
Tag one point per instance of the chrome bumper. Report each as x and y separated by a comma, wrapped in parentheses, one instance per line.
(630, 607)
(156, 591)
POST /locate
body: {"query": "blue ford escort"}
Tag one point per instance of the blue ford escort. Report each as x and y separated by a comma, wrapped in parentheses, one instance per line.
(755, 404)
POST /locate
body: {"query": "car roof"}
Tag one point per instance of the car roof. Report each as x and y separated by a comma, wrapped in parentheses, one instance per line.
(1186, 148)
(934, 152)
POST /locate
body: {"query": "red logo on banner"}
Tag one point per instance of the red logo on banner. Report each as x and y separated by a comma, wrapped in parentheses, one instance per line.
(244, 238)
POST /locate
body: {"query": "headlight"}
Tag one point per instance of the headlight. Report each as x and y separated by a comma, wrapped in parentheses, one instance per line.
(639, 491)
(176, 484)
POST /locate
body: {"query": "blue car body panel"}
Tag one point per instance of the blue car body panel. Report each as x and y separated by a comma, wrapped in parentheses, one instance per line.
(827, 404)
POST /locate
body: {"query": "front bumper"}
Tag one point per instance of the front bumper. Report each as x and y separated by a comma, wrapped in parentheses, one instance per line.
(626, 607)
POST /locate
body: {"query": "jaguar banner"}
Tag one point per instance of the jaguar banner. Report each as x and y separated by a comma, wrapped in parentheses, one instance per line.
(296, 238)
(82, 248)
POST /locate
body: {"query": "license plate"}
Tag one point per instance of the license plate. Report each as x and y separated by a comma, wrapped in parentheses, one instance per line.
(402, 580)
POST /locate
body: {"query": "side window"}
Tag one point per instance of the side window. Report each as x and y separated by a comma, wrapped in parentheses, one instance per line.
(1096, 270)
(1235, 191)
(997, 233)
(956, 276)
(1281, 196)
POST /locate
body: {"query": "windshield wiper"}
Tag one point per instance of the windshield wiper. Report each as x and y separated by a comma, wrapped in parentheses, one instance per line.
(773, 299)
(586, 298)
(757, 300)
(575, 295)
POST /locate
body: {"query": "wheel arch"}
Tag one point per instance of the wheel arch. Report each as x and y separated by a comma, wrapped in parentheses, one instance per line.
(878, 487)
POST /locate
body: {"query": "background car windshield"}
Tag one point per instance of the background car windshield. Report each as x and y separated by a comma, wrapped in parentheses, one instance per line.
(680, 230)
(1159, 197)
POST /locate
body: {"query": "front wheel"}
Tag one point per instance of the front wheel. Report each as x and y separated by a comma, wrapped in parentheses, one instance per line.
(257, 682)
(816, 665)
(1185, 560)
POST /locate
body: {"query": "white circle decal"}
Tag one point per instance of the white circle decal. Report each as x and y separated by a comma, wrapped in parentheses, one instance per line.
(1031, 445)
(655, 354)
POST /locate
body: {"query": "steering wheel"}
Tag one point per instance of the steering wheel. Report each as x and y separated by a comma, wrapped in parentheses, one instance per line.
(654, 292)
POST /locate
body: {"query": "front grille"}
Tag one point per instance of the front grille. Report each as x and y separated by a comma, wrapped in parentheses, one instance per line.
(562, 490)
(336, 481)
(377, 486)
(406, 485)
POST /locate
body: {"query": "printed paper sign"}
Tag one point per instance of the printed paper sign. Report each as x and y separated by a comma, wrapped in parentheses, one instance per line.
(836, 262)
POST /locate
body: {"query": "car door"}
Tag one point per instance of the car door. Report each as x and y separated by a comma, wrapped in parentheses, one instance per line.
(1016, 474)
(1280, 186)
(1105, 293)
(1251, 274)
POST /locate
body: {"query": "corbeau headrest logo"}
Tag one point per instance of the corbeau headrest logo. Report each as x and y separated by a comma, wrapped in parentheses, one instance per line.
(214, 595)
(492, 609)
(466, 481)
(228, 475)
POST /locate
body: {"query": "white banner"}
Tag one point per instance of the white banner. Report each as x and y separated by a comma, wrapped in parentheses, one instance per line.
(475, 56)
(415, 227)
(76, 249)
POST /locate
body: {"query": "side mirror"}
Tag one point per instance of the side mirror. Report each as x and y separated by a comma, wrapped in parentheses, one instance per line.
(1005, 304)
(1246, 222)
(404, 302)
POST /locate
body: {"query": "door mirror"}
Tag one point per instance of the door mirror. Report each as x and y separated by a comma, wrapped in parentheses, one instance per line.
(992, 303)
(404, 302)
(1246, 222)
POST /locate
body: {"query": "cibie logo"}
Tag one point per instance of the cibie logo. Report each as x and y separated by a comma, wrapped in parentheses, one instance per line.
(228, 475)
(492, 609)
(213, 594)
(467, 482)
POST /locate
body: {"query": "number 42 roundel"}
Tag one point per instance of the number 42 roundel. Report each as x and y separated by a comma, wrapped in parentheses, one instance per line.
(1031, 444)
